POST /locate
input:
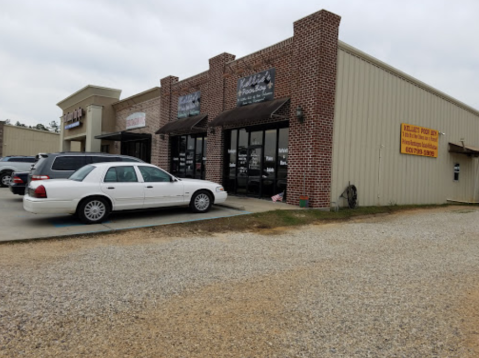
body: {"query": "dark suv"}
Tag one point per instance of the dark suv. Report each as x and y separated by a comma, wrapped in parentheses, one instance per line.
(62, 165)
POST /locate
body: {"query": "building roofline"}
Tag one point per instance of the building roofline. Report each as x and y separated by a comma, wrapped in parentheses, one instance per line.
(114, 92)
(136, 95)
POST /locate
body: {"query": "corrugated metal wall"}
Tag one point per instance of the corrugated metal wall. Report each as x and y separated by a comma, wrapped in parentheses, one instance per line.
(25, 141)
(371, 103)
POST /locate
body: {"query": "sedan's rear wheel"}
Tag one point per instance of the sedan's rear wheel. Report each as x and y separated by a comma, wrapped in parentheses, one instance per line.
(93, 211)
(5, 178)
(201, 202)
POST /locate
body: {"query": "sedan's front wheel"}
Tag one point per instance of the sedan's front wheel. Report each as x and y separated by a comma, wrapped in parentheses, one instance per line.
(93, 210)
(201, 202)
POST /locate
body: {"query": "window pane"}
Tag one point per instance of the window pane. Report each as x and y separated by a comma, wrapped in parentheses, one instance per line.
(111, 175)
(269, 169)
(126, 175)
(81, 173)
(182, 155)
(199, 157)
(283, 153)
(457, 168)
(153, 175)
(69, 162)
(205, 142)
(175, 158)
(100, 159)
(256, 138)
(190, 156)
(268, 188)
(232, 153)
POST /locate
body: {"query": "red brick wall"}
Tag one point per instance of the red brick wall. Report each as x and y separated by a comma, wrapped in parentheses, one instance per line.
(166, 107)
(310, 143)
(216, 101)
(306, 72)
(151, 108)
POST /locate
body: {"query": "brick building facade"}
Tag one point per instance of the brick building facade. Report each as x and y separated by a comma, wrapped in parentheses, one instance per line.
(305, 67)
(327, 115)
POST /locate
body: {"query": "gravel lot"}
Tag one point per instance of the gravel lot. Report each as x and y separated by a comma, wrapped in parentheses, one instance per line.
(403, 285)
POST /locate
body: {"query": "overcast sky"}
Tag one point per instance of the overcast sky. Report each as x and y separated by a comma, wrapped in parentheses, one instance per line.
(51, 48)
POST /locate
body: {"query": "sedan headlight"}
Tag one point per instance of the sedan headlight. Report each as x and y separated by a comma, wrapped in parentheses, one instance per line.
(219, 189)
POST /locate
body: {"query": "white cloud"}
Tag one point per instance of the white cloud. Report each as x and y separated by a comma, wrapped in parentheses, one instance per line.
(50, 49)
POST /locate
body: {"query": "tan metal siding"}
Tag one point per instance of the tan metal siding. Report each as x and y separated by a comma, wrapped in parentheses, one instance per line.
(25, 141)
(371, 104)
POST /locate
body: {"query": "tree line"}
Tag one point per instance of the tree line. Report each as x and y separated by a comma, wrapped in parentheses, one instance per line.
(51, 127)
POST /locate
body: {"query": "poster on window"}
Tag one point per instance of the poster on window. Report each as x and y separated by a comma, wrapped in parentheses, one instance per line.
(256, 88)
(189, 105)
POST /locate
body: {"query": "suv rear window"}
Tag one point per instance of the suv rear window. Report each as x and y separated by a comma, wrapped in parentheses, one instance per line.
(67, 162)
(104, 159)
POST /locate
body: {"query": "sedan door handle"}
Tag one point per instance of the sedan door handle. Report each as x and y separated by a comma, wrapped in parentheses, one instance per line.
(149, 187)
(111, 187)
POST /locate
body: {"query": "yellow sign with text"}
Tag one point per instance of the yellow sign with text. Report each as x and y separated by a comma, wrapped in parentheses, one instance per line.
(417, 140)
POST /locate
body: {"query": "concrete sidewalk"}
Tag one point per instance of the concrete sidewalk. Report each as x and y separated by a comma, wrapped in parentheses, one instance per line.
(254, 205)
(17, 224)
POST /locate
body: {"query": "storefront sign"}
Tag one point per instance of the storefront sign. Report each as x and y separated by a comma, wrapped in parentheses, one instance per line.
(76, 115)
(417, 140)
(256, 88)
(73, 119)
(136, 120)
(73, 125)
(189, 105)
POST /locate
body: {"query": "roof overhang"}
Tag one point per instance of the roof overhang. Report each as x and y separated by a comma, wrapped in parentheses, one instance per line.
(251, 113)
(463, 149)
(186, 125)
(124, 136)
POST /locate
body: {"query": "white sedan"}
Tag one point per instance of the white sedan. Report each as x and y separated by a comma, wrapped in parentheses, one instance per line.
(95, 190)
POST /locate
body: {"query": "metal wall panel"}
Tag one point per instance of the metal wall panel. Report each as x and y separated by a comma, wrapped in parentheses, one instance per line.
(25, 141)
(371, 103)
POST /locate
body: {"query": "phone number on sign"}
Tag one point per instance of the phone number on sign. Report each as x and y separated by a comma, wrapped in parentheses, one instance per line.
(428, 153)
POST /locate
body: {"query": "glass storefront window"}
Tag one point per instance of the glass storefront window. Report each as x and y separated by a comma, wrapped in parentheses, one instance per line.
(256, 161)
(256, 138)
(242, 169)
(199, 158)
(188, 156)
(283, 153)
(203, 159)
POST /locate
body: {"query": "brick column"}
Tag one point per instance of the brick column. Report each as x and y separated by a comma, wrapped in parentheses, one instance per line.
(167, 112)
(215, 102)
(315, 50)
(2, 125)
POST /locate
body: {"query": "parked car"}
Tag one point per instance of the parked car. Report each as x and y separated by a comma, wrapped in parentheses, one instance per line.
(95, 190)
(11, 164)
(64, 164)
(19, 182)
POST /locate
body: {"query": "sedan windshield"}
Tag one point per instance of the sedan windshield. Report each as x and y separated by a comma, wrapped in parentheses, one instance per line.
(81, 173)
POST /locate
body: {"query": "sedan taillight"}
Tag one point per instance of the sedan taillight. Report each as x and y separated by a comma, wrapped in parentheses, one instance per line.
(40, 177)
(17, 180)
(40, 192)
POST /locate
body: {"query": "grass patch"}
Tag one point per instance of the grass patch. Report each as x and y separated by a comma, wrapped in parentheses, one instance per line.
(281, 218)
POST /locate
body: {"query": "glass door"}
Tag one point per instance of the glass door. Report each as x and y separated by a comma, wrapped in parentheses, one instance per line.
(256, 161)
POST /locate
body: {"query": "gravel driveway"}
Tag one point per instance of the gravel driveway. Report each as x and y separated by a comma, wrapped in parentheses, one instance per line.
(403, 285)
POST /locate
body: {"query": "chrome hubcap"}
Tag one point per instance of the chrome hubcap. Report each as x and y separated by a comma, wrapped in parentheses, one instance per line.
(94, 210)
(202, 201)
(6, 180)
